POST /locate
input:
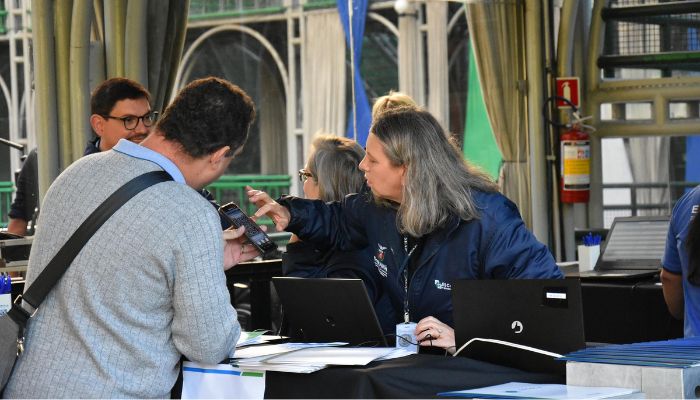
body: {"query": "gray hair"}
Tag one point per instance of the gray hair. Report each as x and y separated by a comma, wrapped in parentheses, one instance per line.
(334, 164)
(438, 183)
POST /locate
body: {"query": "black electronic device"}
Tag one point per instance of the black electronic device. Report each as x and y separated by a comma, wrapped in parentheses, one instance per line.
(253, 232)
(633, 249)
(329, 310)
(544, 314)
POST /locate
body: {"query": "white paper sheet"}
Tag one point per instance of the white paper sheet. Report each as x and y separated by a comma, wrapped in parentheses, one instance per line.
(332, 356)
(266, 350)
(515, 390)
(221, 381)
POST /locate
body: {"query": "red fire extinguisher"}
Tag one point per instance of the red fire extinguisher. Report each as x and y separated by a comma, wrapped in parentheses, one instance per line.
(575, 165)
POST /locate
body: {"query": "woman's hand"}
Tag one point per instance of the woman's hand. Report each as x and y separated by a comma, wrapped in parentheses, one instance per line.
(266, 206)
(237, 249)
(431, 332)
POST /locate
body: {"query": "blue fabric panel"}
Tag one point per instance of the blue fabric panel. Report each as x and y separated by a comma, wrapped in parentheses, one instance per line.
(364, 114)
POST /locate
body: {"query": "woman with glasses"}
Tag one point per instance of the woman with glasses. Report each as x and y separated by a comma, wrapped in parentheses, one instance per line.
(431, 218)
(331, 173)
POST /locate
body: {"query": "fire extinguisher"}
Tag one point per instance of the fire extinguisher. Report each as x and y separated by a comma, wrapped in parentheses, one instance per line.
(575, 165)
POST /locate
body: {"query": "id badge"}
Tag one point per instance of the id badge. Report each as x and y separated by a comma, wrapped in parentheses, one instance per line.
(406, 336)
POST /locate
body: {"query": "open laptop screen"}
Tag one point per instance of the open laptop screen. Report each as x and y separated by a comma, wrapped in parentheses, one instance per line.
(329, 310)
(635, 242)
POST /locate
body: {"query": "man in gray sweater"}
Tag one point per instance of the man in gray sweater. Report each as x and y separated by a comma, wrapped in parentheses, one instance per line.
(149, 286)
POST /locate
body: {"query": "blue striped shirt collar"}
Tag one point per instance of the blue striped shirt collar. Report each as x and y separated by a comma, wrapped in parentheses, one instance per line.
(134, 150)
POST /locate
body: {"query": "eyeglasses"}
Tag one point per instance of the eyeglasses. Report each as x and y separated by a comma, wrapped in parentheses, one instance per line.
(304, 175)
(131, 121)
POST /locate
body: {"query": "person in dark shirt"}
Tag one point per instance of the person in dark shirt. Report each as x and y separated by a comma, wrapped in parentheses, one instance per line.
(24, 205)
(330, 174)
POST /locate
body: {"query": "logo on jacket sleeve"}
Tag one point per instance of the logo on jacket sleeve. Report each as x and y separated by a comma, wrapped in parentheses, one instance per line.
(442, 285)
(379, 260)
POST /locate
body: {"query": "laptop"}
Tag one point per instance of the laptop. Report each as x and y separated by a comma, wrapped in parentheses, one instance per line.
(329, 310)
(633, 249)
(541, 314)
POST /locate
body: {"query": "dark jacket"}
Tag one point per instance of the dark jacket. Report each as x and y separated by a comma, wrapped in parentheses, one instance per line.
(92, 146)
(27, 195)
(497, 245)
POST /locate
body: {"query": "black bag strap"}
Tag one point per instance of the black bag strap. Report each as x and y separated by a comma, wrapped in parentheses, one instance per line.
(59, 264)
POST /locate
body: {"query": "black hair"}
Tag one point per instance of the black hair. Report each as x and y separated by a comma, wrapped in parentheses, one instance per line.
(109, 92)
(692, 241)
(208, 114)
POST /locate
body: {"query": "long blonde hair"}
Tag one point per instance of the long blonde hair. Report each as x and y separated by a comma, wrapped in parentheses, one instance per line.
(438, 183)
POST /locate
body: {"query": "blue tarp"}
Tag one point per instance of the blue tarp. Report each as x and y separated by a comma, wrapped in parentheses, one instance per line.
(692, 144)
(364, 114)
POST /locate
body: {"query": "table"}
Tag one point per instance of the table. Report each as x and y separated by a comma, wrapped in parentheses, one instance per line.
(416, 376)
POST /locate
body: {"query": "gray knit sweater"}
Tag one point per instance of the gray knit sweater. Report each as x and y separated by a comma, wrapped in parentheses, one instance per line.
(147, 287)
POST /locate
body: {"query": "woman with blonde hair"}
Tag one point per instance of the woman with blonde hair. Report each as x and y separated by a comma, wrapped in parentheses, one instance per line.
(391, 101)
(431, 218)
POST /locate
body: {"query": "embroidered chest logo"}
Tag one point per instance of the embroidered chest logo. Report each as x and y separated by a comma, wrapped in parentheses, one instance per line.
(442, 285)
(379, 260)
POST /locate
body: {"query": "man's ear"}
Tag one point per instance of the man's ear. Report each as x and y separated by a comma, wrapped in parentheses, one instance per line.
(219, 155)
(97, 124)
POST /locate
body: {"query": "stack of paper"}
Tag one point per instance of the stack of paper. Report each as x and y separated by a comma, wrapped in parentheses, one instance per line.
(255, 337)
(309, 357)
(519, 390)
(678, 353)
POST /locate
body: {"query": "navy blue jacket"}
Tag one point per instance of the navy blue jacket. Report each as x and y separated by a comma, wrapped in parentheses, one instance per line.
(497, 245)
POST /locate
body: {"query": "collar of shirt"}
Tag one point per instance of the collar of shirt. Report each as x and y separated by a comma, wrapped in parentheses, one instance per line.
(134, 150)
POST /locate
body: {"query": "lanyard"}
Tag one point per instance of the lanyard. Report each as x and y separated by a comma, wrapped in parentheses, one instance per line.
(406, 317)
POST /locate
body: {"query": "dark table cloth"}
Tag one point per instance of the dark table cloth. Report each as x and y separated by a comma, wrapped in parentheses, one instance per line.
(416, 376)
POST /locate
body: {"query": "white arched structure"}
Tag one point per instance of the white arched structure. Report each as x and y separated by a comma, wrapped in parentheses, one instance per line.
(285, 75)
(185, 62)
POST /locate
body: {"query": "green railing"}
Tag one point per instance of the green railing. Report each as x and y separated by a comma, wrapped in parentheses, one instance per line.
(6, 190)
(209, 9)
(232, 188)
(227, 188)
